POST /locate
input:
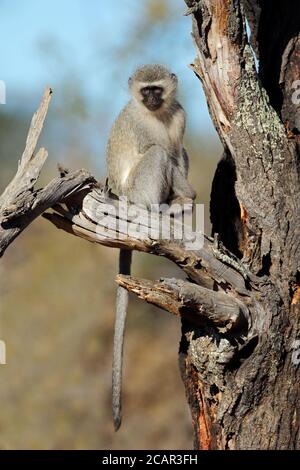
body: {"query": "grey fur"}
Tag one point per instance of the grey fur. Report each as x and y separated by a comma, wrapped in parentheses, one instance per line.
(121, 309)
(148, 164)
(150, 73)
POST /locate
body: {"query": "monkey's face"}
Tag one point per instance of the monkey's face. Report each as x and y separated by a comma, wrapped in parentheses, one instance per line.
(152, 97)
(153, 87)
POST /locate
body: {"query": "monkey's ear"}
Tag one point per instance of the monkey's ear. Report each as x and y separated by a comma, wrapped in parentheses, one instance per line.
(174, 77)
(130, 81)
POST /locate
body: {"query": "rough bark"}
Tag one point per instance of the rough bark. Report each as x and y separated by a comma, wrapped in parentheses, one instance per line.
(253, 116)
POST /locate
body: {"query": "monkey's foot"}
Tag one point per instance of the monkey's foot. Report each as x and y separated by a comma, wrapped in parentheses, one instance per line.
(180, 205)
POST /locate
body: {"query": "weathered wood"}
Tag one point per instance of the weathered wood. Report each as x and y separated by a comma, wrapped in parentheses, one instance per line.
(243, 117)
(189, 300)
(30, 165)
(20, 203)
(202, 265)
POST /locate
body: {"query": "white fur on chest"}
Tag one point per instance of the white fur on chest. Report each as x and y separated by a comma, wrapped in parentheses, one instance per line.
(167, 135)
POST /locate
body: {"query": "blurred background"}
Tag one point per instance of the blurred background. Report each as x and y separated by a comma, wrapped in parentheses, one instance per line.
(56, 291)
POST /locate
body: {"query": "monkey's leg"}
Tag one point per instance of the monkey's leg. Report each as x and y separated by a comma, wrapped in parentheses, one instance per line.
(150, 181)
(183, 194)
(121, 311)
(181, 187)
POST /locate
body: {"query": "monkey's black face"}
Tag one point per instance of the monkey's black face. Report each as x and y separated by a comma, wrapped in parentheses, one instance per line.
(152, 97)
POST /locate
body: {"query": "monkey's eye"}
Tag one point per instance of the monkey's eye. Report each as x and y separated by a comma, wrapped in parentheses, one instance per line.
(157, 91)
(145, 91)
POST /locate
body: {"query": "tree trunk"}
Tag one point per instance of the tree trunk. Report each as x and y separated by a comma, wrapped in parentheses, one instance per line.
(252, 401)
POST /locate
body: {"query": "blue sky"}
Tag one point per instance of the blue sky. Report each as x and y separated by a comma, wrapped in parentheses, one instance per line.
(79, 45)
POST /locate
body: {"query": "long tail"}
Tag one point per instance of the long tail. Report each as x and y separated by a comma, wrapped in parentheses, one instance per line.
(121, 311)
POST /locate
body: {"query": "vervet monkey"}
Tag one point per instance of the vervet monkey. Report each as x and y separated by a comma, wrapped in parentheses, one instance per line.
(148, 164)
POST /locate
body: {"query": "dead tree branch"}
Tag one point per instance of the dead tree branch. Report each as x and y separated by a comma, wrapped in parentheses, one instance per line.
(20, 203)
(198, 304)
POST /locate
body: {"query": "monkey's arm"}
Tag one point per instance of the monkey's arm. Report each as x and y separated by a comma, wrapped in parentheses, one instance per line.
(185, 161)
(181, 187)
